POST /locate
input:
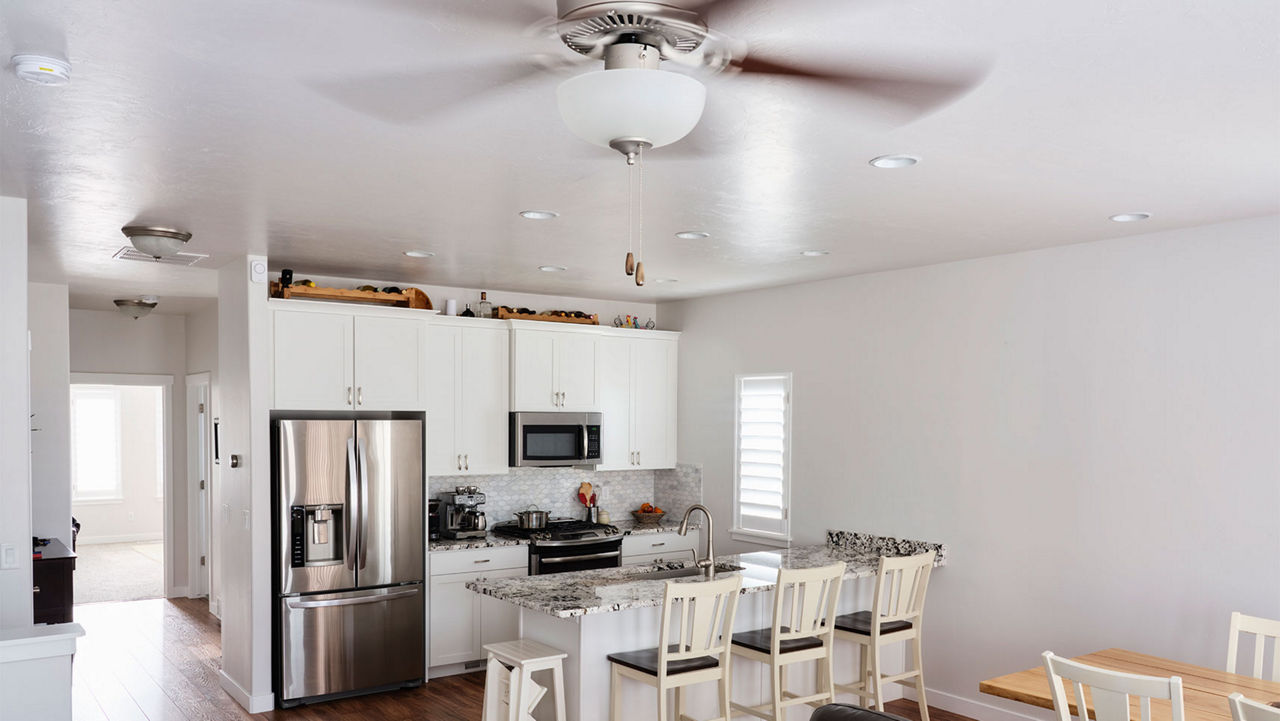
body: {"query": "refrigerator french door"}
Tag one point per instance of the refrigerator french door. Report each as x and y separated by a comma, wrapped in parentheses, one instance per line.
(350, 552)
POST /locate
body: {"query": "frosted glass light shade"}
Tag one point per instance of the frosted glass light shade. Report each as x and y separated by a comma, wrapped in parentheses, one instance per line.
(155, 241)
(655, 105)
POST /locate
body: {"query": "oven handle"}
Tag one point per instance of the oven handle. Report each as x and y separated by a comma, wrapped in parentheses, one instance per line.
(583, 557)
(576, 542)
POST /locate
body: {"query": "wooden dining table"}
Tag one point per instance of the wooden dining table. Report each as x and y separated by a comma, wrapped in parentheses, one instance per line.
(1204, 690)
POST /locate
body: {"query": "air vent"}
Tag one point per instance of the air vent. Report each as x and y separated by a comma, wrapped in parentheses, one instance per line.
(131, 253)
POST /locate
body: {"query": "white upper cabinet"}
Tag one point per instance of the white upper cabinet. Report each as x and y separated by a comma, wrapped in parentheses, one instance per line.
(553, 370)
(469, 378)
(344, 361)
(638, 402)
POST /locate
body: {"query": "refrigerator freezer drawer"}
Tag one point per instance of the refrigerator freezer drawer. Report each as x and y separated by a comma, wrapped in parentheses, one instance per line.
(340, 642)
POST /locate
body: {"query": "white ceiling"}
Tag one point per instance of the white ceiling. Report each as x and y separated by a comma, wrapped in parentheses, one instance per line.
(248, 124)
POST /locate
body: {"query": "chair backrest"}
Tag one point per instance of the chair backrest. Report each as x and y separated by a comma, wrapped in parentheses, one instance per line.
(804, 604)
(900, 588)
(1108, 691)
(701, 614)
(1263, 630)
(1243, 709)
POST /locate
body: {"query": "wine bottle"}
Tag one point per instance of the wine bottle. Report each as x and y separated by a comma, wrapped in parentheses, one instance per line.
(485, 308)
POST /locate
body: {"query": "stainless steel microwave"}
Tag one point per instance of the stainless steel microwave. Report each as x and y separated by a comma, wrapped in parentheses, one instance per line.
(554, 439)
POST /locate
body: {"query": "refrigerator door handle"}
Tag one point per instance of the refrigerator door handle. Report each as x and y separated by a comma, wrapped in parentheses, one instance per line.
(364, 499)
(353, 601)
(353, 504)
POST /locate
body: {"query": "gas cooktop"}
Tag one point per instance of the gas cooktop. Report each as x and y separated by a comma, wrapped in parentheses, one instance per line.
(557, 529)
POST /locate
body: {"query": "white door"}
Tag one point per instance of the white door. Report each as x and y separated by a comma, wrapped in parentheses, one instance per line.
(533, 374)
(613, 374)
(390, 358)
(483, 395)
(312, 361)
(653, 402)
(576, 371)
(443, 380)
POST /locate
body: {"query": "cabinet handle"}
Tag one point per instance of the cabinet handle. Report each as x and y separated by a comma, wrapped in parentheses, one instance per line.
(484, 560)
(360, 396)
(657, 545)
(459, 461)
(348, 395)
(466, 462)
(562, 395)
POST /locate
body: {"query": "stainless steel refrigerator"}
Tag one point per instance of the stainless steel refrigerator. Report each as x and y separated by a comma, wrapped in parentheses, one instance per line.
(349, 556)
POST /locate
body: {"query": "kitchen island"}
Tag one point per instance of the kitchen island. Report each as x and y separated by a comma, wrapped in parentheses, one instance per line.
(591, 614)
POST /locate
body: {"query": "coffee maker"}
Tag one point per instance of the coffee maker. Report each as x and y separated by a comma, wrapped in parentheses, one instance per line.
(462, 517)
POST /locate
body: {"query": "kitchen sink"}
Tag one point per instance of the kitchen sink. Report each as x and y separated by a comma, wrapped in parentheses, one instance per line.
(686, 572)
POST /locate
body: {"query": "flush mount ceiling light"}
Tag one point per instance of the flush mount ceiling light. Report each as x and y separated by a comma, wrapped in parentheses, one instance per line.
(41, 69)
(895, 161)
(692, 235)
(1130, 217)
(551, 268)
(135, 308)
(155, 241)
(419, 254)
(814, 253)
(539, 214)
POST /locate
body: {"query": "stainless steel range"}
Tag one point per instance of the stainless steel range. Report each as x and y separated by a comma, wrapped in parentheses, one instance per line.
(566, 544)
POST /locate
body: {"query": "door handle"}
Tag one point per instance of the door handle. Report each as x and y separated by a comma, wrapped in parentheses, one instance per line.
(348, 395)
(360, 395)
(353, 504)
(35, 589)
(364, 499)
(357, 601)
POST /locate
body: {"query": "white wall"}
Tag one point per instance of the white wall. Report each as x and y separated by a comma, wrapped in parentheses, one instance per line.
(139, 514)
(1095, 429)
(110, 342)
(15, 425)
(50, 376)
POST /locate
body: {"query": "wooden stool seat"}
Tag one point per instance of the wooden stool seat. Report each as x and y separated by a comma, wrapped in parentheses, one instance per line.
(510, 693)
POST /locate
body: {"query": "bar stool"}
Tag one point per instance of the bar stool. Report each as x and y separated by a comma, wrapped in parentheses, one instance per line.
(510, 693)
(802, 631)
(896, 615)
(701, 654)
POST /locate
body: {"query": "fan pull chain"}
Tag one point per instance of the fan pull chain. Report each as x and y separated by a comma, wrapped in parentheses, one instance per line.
(639, 205)
(631, 217)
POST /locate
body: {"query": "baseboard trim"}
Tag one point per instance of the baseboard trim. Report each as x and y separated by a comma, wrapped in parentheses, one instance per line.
(178, 592)
(253, 704)
(968, 707)
(123, 538)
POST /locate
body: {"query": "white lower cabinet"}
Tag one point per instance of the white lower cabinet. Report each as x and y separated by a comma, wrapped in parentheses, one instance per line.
(653, 547)
(460, 624)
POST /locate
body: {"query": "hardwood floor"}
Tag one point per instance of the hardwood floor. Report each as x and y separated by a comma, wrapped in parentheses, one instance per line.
(158, 660)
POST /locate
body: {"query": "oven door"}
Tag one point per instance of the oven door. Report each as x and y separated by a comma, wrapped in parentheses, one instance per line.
(575, 556)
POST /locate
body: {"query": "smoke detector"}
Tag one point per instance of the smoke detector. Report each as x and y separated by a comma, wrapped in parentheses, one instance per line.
(42, 69)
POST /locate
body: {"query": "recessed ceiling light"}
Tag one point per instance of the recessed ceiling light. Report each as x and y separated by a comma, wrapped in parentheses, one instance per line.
(667, 280)
(41, 69)
(419, 254)
(814, 253)
(551, 268)
(539, 214)
(895, 161)
(1130, 217)
(692, 235)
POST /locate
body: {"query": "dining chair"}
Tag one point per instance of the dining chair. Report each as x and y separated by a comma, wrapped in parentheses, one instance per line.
(1243, 709)
(1108, 691)
(804, 610)
(703, 627)
(896, 616)
(1263, 630)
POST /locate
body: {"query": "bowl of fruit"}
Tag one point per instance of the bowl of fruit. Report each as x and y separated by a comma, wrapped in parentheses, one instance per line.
(648, 514)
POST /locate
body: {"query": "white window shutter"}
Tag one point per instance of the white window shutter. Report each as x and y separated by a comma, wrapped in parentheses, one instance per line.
(762, 454)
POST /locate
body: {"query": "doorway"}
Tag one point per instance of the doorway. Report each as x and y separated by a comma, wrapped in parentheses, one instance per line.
(120, 481)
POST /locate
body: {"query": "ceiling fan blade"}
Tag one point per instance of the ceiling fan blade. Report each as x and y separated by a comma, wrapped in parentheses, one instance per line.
(912, 91)
(413, 97)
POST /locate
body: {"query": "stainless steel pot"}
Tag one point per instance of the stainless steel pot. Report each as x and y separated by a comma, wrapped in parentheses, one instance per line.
(532, 518)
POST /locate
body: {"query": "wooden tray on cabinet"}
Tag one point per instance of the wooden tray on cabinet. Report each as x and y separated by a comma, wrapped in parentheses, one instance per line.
(410, 298)
(504, 314)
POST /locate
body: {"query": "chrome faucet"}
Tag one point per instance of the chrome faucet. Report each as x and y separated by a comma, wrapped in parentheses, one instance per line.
(708, 564)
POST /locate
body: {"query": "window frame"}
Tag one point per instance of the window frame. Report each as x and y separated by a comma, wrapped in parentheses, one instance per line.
(737, 531)
(115, 495)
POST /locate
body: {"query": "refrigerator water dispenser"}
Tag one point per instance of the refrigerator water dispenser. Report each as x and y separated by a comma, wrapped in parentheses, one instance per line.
(316, 533)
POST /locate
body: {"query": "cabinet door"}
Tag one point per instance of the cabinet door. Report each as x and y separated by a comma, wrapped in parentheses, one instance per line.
(311, 362)
(533, 371)
(391, 363)
(576, 371)
(443, 367)
(483, 393)
(456, 618)
(653, 402)
(613, 373)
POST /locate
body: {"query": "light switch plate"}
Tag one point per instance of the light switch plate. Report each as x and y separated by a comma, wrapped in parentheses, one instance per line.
(8, 556)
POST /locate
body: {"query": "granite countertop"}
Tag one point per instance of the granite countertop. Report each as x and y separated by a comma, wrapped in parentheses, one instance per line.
(628, 527)
(568, 595)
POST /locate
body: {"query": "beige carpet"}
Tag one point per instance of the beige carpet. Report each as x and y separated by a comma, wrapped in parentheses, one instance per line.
(119, 571)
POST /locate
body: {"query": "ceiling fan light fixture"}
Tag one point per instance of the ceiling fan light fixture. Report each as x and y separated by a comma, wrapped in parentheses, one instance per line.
(155, 241)
(135, 308)
(657, 107)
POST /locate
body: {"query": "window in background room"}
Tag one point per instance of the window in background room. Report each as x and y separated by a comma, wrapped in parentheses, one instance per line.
(762, 463)
(95, 443)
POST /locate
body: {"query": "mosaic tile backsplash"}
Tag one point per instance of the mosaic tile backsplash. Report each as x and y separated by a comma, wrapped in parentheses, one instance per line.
(554, 490)
(677, 489)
